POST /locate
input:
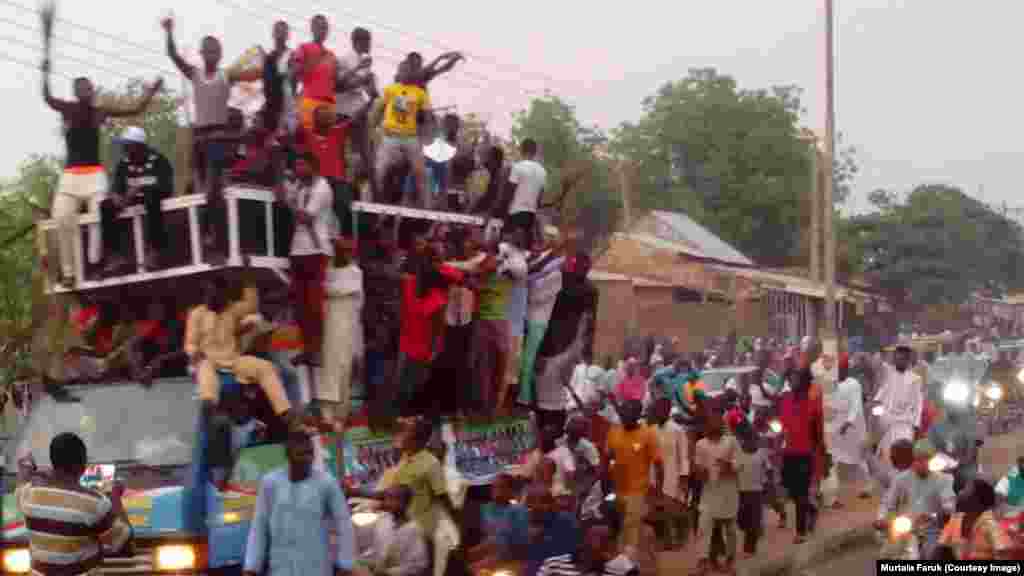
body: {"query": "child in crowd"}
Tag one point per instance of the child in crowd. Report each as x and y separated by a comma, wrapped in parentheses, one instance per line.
(751, 470)
(715, 463)
(398, 544)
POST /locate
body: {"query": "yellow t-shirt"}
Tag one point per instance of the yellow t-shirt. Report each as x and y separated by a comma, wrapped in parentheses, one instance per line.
(401, 104)
(635, 452)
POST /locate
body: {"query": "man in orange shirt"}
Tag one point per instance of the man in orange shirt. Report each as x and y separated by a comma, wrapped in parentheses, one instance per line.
(632, 452)
(316, 67)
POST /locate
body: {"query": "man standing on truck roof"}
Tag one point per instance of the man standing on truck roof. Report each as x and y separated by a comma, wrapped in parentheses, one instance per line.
(70, 527)
(83, 180)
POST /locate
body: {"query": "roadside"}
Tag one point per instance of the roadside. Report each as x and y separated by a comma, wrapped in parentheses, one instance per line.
(838, 531)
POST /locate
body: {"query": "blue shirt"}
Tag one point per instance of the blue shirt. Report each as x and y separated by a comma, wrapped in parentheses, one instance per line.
(507, 524)
(561, 535)
(290, 535)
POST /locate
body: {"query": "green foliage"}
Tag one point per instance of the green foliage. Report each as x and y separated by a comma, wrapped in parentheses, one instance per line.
(572, 153)
(159, 121)
(733, 159)
(937, 247)
(24, 307)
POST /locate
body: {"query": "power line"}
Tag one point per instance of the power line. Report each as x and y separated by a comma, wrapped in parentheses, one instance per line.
(28, 64)
(91, 30)
(90, 48)
(66, 57)
(521, 71)
(400, 54)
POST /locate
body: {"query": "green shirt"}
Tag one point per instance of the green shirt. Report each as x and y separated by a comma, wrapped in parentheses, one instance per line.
(494, 297)
(423, 474)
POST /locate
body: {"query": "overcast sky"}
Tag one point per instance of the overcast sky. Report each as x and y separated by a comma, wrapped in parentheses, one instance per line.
(926, 89)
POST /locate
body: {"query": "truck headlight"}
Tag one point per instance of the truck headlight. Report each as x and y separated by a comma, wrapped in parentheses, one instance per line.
(17, 561)
(175, 558)
(994, 393)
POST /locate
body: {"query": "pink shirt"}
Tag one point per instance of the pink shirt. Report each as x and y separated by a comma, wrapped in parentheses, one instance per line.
(631, 388)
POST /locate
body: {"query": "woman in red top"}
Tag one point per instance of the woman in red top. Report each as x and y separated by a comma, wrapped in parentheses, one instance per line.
(424, 298)
(801, 419)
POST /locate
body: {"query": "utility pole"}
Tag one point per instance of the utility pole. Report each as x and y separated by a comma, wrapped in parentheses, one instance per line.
(815, 239)
(831, 331)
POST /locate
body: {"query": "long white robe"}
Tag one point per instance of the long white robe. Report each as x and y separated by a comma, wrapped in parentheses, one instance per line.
(344, 287)
(847, 406)
(902, 397)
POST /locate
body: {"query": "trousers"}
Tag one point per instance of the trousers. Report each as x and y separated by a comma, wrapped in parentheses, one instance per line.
(246, 369)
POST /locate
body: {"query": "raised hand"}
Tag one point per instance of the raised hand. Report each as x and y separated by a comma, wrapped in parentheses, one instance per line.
(47, 14)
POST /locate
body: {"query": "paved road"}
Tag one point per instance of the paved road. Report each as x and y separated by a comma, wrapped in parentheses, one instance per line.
(859, 562)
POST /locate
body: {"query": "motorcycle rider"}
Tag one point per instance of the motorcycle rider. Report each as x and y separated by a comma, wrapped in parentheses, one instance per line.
(926, 496)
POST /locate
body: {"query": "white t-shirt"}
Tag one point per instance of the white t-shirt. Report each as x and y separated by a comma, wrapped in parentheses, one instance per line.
(529, 177)
(317, 201)
(348, 103)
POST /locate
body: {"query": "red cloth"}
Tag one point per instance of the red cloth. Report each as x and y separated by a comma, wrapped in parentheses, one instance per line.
(801, 421)
(733, 418)
(317, 83)
(631, 388)
(153, 331)
(308, 276)
(417, 340)
(844, 361)
(328, 150)
(85, 317)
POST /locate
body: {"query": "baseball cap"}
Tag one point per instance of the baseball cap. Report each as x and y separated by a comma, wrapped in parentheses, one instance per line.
(133, 135)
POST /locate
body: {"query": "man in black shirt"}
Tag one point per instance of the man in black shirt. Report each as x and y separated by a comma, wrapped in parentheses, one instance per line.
(569, 337)
(143, 176)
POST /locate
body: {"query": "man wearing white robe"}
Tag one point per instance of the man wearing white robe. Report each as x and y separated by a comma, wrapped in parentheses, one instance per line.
(901, 395)
(847, 430)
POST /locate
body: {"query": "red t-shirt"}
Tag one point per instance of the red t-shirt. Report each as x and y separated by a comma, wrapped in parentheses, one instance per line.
(317, 83)
(417, 340)
(153, 331)
(328, 151)
(801, 421)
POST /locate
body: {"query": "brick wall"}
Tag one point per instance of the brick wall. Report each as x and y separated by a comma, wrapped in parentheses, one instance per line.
(694, 323)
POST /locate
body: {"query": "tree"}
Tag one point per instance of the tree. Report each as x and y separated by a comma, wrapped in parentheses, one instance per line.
(581, 183)
(25, 309)
(159, 121)
(732, 158)
(926, 250)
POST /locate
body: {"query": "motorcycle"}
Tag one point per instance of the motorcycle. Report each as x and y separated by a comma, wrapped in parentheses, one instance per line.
(903, 537)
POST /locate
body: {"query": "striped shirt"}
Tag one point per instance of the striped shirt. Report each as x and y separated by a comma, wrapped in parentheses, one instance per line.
(70, 529)
(568, 565)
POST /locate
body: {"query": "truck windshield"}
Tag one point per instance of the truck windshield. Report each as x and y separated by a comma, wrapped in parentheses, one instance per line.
(120, 423)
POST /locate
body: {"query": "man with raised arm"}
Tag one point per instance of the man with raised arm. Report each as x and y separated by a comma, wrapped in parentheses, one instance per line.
(211, 87)
(357, 86)
(83, 180)
(400, 108)
(316, 67)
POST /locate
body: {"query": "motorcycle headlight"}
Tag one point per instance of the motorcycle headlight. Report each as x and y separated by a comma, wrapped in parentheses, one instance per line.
(175, 558)
(364, 518)
(902, 525)
(17, 561)
(994, 393)
(775, 426)
(878, 410)
(956, 392)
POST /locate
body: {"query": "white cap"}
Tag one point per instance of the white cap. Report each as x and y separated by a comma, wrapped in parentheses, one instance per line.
(133, 135)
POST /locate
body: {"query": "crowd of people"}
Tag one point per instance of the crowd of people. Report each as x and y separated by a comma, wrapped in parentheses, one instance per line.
(484, 319)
